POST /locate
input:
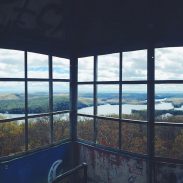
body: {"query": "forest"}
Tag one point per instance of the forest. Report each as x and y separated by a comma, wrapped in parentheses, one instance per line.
(168, 140)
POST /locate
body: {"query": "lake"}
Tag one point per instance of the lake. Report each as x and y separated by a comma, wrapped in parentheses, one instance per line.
(108, 109)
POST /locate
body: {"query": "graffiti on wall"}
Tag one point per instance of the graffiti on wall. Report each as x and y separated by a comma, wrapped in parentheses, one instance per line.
(105, 167)
(43, 18)
(166, 173)
(53, 172)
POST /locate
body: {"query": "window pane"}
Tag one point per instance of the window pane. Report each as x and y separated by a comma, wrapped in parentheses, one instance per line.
(108, 100)
(85, 69)
(134, 65)
(85, 99)
(61, 100)
(108, 67)
(165, 59)
(61, 68)
(169, 102)
(134, 137)
(134, 102)
(85, 128)
(38, 97)
(37, 65)
(12, 138)
(12, 99)
(169, 141)
(107, 132)
(11, 64)
(39, 132)
(61, 127)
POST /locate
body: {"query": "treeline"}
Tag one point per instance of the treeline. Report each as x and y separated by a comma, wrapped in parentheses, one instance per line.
(35, 105)
(168, 140)
(12, 134)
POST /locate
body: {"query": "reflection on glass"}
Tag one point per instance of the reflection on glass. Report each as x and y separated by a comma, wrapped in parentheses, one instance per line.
(37, 65)
(134, 102)
(61, 68)
(165, 67)
(12, 99)
(134, 137)
(134, 65)
(169, 103)
(39, 132)
(61, 127)
(38, 97)
(107, 132)
(12, 138)
(169, 141)
(108, 67)
(11, 63)
(85, 128)
(61, 100)
(85, 68)
(85, 99)
(108, 100)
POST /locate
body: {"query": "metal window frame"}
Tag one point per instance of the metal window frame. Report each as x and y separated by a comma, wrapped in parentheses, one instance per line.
(150, 157)
(28, 116)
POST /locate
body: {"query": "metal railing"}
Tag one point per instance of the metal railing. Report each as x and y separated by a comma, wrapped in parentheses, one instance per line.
(71, 172)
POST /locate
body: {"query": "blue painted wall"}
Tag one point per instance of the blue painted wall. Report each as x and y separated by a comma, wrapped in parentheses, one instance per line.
(34, 168)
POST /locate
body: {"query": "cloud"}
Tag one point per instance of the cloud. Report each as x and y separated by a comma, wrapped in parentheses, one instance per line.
(135, 65)
(85, 68)
(169, 63)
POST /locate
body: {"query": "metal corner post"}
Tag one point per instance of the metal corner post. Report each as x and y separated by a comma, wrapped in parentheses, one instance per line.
(151, 112)
(73, 97)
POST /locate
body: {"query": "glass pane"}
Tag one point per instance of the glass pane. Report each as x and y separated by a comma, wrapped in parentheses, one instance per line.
(12, 99)
(61, 127)
(39, 132)
(61, 100)
(134, 102)
(37, 65)
(107, 132)
(11, 64)
(169, 63)
(108, 67)
(85, 99)
(134, 137)
(38, 97)
(61, 68)
(169, 102)
(12, 137)
(108, 100)
(169, 141)
(134, 65)
(85, 128)
(85, 68)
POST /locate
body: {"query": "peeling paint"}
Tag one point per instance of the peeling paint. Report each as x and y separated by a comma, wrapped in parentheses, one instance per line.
(169, 173)
(106, 167)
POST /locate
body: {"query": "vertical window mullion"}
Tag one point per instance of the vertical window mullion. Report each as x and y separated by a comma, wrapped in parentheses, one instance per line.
(51, 97)
(120, 97)
(26, 102)
(151, 112)
(95, 96)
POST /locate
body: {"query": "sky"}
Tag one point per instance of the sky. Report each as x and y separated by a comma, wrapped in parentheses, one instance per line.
(134, 68)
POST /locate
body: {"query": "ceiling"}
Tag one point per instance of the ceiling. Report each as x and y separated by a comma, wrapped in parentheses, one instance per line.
(85, 27)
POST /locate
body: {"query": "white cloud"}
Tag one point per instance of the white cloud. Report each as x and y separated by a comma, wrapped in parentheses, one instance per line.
(85, 68)
(169, 63)
(108, 67)
(135, 65)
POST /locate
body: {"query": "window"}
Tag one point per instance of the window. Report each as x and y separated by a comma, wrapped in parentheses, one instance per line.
(112, 105)
(34, 101)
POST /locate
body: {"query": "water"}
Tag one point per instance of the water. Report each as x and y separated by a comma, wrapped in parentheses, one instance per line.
(108, 109)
